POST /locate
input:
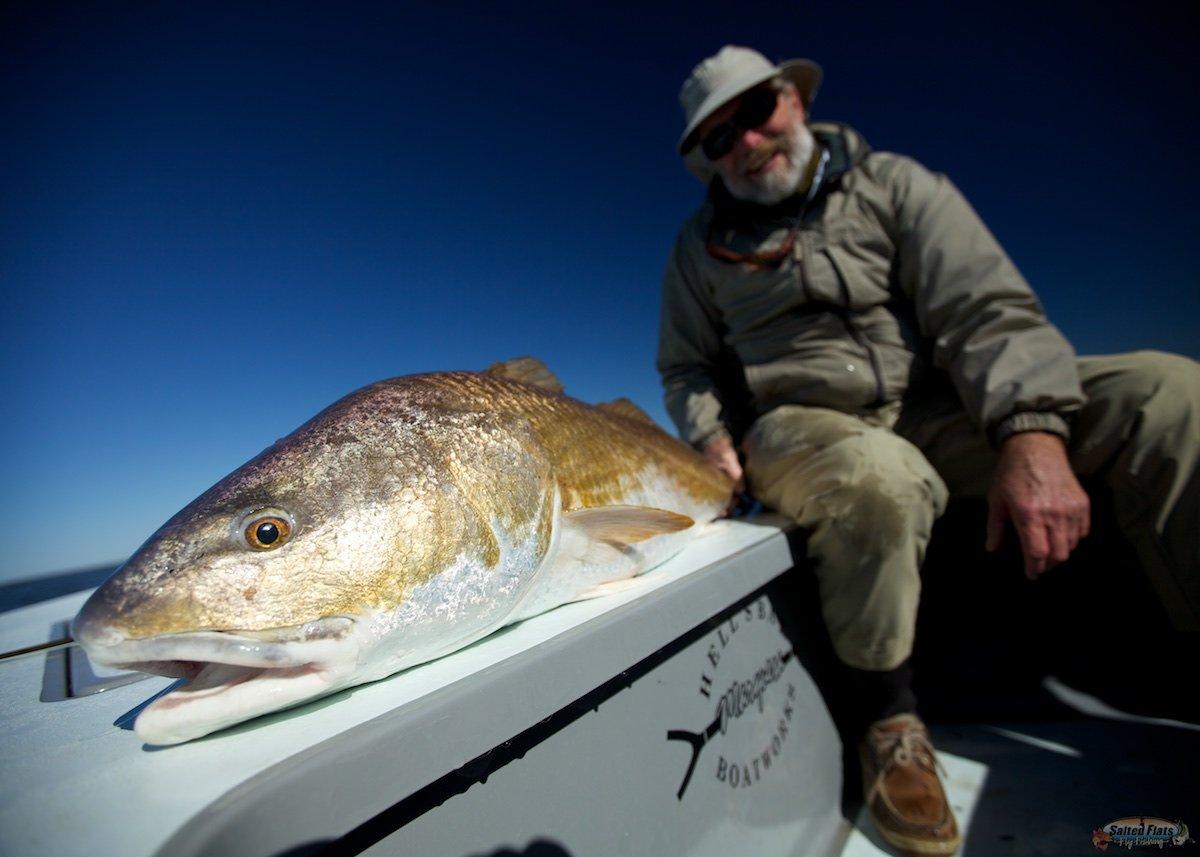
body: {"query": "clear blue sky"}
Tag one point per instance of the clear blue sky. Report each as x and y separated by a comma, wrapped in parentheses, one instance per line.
(218, 218)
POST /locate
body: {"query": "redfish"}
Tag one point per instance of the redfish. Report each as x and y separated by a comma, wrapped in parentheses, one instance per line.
(405, 521)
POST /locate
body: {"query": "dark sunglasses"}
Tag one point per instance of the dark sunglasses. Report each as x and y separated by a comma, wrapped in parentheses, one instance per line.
(756, 107)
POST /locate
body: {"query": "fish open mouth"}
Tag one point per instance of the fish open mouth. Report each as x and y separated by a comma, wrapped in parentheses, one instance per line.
(232, 675)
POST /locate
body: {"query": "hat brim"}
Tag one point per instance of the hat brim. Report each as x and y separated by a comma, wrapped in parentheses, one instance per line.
(804, 74)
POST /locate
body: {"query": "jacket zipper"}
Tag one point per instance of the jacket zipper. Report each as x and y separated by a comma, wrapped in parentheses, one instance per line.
(802, 264)
(814, 189)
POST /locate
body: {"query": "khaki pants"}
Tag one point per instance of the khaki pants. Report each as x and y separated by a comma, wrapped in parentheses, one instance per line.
(869, 487)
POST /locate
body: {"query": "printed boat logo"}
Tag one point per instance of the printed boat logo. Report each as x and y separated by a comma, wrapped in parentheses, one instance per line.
(745, 695)
(1140, 830)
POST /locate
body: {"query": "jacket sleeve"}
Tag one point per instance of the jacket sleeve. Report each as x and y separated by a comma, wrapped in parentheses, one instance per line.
(1012, 369)
(689, 350)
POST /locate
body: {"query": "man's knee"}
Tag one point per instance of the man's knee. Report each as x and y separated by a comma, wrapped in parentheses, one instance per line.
(1141, 399)
(881, 475)
(869, 510)
(1172, 383)
(1128, 383)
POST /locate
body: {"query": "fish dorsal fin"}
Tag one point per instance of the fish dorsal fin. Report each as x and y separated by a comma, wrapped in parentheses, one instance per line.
(527, 370)
(623, 407)
(626, 525)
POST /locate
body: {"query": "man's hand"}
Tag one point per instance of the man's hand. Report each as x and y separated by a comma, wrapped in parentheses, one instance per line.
(1033, 486)
(723, 456)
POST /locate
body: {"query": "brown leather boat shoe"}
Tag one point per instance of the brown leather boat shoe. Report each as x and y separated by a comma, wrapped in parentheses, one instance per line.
(902, 790)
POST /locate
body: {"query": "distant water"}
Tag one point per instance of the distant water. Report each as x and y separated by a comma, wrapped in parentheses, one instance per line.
(19, 593)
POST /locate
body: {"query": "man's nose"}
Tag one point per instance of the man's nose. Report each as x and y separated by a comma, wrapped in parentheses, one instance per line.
(750, 138)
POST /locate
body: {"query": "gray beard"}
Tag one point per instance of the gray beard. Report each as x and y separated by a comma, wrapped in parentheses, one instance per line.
(778, 184)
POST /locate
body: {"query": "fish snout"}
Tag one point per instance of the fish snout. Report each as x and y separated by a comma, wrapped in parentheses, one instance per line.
(94, 627)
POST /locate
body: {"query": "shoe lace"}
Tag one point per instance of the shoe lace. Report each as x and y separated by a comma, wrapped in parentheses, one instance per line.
(906, 747)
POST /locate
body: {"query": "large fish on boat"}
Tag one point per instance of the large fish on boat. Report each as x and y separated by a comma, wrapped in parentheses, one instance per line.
(405, 521)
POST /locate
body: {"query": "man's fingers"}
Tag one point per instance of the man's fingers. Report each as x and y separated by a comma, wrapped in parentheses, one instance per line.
(1063, 537)
(1035, 544)
(1034, 566)
(1034, 482)
(995, 525)
(1077, 531)
(721, 454)
(1074, 523)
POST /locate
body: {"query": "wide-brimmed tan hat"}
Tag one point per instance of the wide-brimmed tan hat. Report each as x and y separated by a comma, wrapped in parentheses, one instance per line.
(730, 72)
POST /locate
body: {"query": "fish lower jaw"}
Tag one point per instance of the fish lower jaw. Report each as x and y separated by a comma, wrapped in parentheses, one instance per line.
(231, 678)
(220, 695)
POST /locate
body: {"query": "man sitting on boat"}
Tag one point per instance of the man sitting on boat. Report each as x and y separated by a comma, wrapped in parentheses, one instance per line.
(844, 319)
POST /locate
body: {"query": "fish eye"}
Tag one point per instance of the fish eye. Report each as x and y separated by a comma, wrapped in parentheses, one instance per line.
(266, 529)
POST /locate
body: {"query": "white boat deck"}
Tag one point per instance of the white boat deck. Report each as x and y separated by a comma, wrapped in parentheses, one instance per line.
(77, 781)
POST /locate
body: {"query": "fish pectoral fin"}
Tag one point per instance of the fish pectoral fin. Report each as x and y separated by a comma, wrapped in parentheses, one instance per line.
(597, 550)
(621, 526)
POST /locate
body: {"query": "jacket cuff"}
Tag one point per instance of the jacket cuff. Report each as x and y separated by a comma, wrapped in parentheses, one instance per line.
(1030, 421)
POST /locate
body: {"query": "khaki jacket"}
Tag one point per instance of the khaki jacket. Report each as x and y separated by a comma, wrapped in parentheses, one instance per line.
(893, 290)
